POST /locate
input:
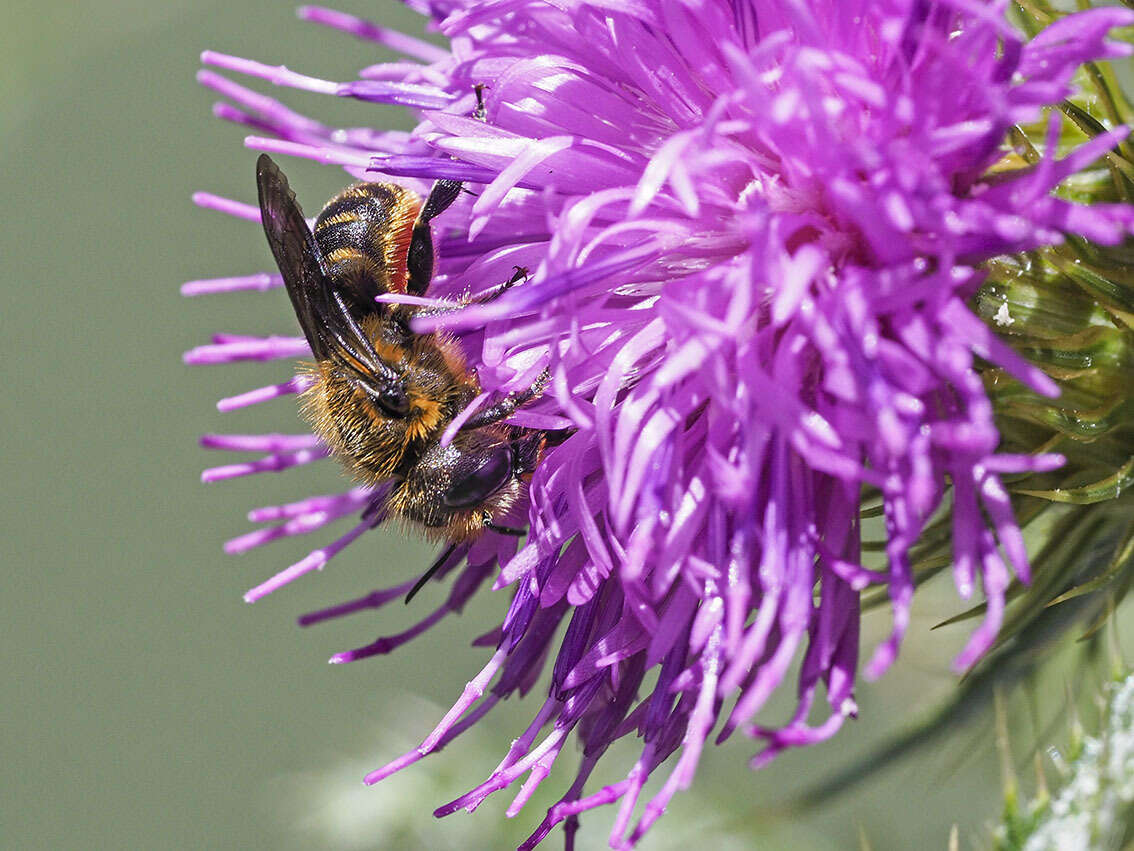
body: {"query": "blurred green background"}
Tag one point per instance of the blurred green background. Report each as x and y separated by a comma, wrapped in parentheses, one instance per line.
(147, 706)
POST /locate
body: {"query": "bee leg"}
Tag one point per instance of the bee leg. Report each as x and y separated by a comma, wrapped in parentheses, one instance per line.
(487, 297)
(419, 263)
(444, 193)
(503, 530)
(480, 113)
(441, 197)
(508, 405)
(518, 273)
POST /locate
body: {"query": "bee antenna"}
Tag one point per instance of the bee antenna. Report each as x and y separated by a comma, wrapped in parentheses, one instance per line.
(433, 568)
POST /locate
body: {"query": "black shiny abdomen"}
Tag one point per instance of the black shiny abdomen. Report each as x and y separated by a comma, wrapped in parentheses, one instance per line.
(363, 234)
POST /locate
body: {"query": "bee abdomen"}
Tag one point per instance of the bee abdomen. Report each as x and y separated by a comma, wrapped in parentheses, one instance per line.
(364, 234)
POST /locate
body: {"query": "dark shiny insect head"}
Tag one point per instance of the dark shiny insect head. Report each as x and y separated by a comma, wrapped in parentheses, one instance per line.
(382, 395)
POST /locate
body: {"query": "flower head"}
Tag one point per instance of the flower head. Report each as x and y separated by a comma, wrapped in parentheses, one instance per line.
(752, 229)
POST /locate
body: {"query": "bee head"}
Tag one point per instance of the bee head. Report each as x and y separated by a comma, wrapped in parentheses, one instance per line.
(456, 489)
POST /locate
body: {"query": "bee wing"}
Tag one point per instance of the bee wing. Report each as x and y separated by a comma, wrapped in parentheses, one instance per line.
(327, 324)
(293, 245)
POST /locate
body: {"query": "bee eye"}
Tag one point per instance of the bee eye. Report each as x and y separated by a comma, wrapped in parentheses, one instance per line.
(472, 486)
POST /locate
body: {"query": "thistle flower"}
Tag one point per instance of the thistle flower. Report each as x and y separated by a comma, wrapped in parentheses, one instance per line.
(752, 230)
(1066, 308)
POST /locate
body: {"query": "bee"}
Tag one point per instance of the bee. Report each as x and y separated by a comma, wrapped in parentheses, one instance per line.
(382, 395)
